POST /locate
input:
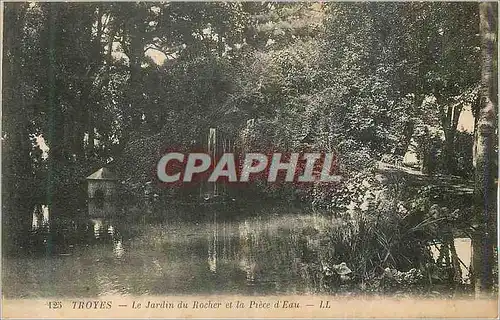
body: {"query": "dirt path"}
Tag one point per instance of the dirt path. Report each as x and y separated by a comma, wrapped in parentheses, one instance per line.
(446, 183)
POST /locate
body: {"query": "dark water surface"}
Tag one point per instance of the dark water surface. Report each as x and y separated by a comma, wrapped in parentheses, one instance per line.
(155, 252)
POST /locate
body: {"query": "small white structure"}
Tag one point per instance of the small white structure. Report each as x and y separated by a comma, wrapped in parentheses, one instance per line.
(102, 184)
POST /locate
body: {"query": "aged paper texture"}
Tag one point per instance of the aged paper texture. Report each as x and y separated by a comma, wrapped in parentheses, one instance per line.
(249, 159)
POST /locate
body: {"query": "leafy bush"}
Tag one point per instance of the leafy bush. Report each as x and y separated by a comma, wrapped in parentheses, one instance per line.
(382, 233)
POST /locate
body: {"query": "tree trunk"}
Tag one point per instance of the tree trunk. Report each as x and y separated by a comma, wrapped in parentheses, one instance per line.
(449, 150)
(54, 119)
(17, 193)
(89, 99)
(449, 123)
(485, 172)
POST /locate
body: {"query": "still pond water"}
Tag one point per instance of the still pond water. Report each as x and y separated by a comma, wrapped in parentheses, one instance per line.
(166, 254)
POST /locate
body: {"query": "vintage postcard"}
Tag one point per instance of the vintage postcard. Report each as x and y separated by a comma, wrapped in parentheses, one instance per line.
(249, 159)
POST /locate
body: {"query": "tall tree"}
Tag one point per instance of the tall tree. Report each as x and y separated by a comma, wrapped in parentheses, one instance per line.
(485, 144)
(16, 144)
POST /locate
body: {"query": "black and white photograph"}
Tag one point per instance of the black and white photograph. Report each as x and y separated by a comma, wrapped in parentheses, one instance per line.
(346, 150)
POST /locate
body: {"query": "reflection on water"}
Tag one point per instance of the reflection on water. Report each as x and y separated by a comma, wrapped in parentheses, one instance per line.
(463, 249)
(172, 250)
(92, 255)
(40, 216)
(212, 248)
